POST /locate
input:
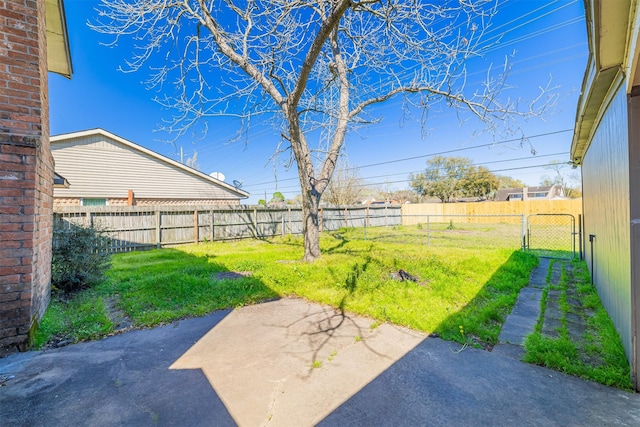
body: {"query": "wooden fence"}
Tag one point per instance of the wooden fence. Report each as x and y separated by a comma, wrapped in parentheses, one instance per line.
(135, 228)
(488, 212)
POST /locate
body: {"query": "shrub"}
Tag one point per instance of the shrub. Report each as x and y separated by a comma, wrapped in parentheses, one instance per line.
(80, 257)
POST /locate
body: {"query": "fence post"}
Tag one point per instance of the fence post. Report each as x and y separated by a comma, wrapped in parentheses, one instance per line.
(282, 217)
(211, 229)
(289, 209)
(580, 235)
(524, 233)
(365, 229)
(367, 216)
(255, 222)
(196, 232)
(158, 234)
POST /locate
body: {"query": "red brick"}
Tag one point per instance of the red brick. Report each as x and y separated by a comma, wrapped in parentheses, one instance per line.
(10, 210)
(12, 15)
(12, 341)
(8, 332)
(12, 245)
(9, 262)
(29, 151)
(19, 269)
(19, 235)
(7, 281)
(11, 192)
(14, 253)
(12, 296)
(11, 226)
(9, 306)
(12, 313)
(15, 322)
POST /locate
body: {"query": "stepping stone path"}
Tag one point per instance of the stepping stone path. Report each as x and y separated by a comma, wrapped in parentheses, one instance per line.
(527, 310)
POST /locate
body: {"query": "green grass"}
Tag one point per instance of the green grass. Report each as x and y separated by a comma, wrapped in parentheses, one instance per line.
(469, 276)
(598, 355)
(81, 318)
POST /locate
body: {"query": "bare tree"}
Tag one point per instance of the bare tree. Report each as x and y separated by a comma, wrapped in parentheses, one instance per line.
(563, 175)
(193, 161)
(345, 186)
(314, 66)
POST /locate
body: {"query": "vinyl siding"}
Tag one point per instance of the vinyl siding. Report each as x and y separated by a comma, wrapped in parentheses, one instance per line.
(96, 166)
(606, 214)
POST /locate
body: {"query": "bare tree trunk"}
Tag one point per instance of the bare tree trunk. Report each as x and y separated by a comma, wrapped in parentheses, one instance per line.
(311, 225)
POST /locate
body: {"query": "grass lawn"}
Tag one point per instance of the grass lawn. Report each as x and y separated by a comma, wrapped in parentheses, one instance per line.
(467, 276)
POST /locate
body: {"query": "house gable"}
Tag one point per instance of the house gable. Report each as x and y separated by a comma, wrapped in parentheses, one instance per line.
(98, 164)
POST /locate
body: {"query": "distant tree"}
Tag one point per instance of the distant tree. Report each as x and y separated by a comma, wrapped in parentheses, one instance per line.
(193, 161)
(443, 178)
(565, 176)
(346, 187)
(262, 202)
(277, 197)
(480, 182)
(509, 182)
(296, 200)
(401, 196)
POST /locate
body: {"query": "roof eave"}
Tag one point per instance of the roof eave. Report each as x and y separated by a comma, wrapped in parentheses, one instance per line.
(58, 51)
(596, 88)
(607, 41)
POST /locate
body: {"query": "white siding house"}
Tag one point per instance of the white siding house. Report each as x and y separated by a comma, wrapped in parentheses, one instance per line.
(606, 143)
(100, 168)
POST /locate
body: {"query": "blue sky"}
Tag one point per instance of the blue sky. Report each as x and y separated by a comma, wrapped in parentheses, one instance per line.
(548, 38)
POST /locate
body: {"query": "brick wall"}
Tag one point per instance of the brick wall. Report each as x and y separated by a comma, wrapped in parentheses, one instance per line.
(26, 172)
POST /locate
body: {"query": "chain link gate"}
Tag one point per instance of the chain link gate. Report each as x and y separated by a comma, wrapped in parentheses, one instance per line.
(552, 235)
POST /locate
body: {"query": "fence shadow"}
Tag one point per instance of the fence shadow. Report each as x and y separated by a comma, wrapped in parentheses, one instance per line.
(160, 286)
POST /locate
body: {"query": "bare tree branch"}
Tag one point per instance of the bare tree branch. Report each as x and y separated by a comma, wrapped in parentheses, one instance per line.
(316, 67)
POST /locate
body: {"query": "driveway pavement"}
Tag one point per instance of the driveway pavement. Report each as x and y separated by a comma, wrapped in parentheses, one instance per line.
(293, 363)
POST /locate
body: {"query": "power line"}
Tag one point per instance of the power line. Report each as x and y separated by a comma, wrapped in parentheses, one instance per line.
(369, 184)
(474, 164)
(455, 150)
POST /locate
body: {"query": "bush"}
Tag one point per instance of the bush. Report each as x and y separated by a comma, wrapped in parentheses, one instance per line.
(80, 257)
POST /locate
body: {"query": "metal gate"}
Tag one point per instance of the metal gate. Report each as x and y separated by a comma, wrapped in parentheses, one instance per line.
(552, 235)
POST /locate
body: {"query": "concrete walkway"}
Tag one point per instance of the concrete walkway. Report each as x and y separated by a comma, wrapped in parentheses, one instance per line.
(526, 311)
(293, 363)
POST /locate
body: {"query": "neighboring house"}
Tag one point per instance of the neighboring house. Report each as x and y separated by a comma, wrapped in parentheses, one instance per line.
(548, 192)
(606, 142)
(98, 168)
